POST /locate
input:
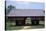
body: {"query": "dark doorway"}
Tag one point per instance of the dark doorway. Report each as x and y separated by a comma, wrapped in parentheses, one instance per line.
(20, 22)
(35, 22)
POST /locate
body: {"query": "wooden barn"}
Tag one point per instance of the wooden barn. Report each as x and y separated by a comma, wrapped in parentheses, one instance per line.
(19, 16)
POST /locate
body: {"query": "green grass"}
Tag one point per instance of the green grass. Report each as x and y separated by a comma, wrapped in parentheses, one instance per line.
(14, 28)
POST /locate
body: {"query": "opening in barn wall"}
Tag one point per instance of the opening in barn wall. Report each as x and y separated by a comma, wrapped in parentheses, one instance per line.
(22, 21)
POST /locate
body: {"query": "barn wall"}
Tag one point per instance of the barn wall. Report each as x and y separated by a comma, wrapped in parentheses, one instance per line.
(22, 19)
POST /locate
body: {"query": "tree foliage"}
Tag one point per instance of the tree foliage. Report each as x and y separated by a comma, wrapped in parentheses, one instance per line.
(9, 8)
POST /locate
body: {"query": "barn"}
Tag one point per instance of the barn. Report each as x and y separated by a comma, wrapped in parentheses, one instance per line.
(20, 16)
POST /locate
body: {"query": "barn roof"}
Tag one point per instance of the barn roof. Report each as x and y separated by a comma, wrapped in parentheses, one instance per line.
(26, 12)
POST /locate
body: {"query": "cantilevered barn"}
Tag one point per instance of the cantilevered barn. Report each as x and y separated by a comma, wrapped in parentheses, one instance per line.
(19, 16)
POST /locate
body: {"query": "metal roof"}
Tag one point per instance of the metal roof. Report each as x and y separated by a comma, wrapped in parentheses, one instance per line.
(26, 12)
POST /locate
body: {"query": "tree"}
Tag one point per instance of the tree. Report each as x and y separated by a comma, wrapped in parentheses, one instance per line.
(9, 8)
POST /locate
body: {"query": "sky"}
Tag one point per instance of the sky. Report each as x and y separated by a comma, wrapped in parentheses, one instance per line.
(26, 4)
(28, 0)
